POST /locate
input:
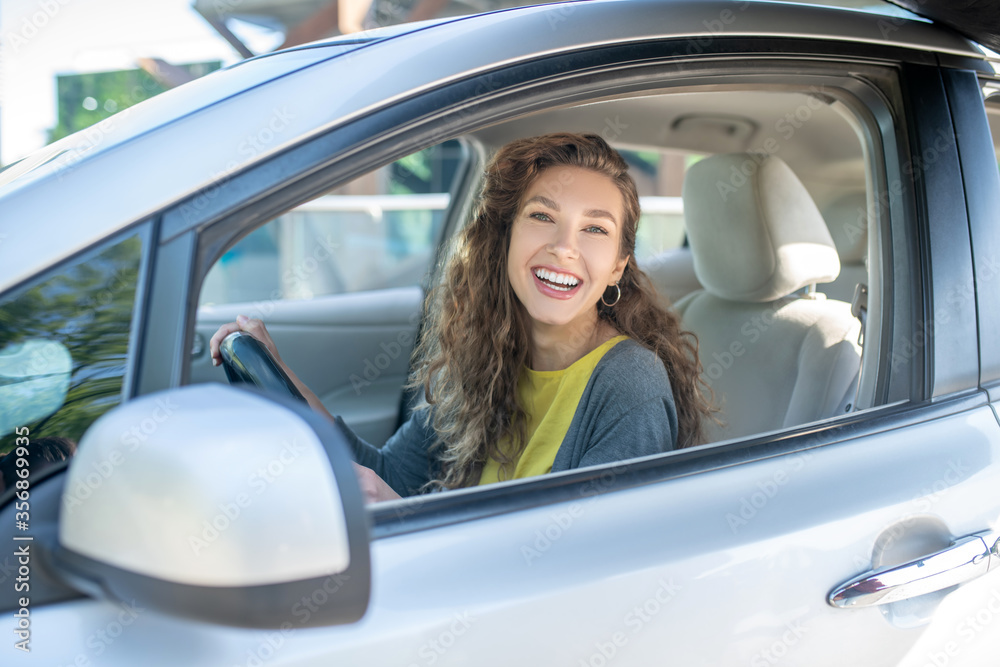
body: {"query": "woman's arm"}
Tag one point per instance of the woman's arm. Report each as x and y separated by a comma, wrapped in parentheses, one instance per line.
(627, 411)
(404, 461)
(646, 428)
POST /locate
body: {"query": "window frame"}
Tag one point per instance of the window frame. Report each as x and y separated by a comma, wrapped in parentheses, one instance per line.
(447, 113)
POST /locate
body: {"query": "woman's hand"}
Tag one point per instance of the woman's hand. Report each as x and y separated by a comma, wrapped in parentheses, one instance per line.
(248, 325)
(373, 488)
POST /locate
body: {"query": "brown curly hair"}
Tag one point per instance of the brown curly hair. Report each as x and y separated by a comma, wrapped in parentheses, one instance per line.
(475, 339)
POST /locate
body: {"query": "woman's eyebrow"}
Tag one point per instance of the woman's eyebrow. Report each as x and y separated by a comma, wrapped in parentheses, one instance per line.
(542, 199)
(601, 213)
(592, 213)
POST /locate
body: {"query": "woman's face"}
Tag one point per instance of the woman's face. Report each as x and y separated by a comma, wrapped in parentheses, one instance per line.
(564, 246)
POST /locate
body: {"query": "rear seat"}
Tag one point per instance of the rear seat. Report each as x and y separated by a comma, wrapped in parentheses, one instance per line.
(847, 220)
(672, 273)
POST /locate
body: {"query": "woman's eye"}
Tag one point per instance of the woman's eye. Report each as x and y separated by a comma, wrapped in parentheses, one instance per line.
(594, 229)
(544, 217)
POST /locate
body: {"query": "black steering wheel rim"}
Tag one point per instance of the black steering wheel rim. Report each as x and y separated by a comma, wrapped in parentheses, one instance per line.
(247, 361)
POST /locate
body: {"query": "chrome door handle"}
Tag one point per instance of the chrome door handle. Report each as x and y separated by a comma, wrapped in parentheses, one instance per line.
(969, 557)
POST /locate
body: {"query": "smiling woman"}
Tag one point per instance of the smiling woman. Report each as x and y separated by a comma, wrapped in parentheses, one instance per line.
(545, 348)
(565, 252)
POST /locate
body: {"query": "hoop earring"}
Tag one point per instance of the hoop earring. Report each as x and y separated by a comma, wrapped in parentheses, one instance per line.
(617, 299)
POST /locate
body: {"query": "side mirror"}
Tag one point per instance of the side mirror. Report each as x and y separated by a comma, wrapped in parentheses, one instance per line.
(217, 504)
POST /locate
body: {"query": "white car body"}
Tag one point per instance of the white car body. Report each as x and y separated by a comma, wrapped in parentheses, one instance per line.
(723, 554)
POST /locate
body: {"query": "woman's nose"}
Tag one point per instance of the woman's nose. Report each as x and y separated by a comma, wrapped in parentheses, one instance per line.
(564, 242)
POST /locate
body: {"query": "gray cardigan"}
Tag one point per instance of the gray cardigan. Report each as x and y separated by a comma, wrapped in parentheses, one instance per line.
(627, 410)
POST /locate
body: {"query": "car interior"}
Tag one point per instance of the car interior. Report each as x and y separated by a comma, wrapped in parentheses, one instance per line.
(755, 231)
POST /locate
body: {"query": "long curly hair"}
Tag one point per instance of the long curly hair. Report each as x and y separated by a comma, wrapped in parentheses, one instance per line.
(476, 335)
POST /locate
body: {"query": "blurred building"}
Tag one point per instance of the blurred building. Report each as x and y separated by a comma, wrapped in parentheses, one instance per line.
(302, 21)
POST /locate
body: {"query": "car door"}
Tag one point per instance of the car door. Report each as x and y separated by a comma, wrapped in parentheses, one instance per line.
(725, 553)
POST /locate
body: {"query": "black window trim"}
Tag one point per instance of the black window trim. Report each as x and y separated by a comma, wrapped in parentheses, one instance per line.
(935, 179)
(980, 175)
(147, 231)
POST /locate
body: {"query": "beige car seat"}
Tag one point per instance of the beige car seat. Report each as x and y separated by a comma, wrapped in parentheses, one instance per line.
(773, 358)
(847, 220)
(672, 274)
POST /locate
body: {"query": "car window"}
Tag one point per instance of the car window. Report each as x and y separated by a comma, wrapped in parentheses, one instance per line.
(376, 232)
(354, 353)
(63, 349)
(659, 177)
(808, 142)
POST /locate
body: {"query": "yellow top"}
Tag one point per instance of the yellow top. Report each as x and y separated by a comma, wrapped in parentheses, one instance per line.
(550, 399)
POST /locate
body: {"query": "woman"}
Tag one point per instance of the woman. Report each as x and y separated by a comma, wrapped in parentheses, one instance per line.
(544, 348)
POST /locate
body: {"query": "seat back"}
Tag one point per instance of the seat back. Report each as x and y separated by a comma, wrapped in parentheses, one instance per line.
(772, 358)
(847, 220)
(672, 274)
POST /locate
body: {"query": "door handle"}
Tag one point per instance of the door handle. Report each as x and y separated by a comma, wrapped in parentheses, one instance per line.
(967, 558)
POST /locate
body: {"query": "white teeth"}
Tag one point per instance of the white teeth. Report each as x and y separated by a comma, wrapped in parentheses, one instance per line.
(559, 278)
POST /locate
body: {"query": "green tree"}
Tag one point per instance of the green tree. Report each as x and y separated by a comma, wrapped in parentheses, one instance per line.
(86, 99)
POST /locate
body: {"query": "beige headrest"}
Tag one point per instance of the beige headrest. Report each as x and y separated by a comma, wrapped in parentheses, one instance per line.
(754, 230)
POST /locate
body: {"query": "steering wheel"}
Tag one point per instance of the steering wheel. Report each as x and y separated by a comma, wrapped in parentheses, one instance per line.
(247, 361)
